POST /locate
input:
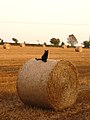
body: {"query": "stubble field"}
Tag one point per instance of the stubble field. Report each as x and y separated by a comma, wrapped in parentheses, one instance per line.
(11, 107)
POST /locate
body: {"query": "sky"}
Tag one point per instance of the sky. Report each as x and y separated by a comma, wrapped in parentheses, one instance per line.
(36, 21)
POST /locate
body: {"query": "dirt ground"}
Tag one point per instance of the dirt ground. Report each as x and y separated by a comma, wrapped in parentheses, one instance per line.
(11, 107)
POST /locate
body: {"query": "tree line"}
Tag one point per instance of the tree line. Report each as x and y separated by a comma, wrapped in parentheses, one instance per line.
(70, 40)
(56, 41)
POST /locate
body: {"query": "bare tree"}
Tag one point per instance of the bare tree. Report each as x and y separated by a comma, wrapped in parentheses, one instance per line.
(72, 40)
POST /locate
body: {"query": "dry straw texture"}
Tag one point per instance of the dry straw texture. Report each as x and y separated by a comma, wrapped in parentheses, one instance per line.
(78, 49)
(6, 46)
(52, 84)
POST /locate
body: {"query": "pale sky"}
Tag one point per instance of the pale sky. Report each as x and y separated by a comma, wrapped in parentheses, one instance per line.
(33, 20)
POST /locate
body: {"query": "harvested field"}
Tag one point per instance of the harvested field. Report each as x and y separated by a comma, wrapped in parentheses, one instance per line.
(11, 107)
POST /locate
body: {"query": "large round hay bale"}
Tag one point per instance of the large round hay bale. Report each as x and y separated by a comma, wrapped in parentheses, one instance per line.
(78, 49)
(22, 45)
(64, 46)
(51, 84)
(6, 46)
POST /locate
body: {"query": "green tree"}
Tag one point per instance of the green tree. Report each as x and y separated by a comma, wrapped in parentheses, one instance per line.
(1, 41)
(24, 42)
(55, 41)
(45, 43)
(62, 43)
(72, 40)
(86, 44)
(15, 40)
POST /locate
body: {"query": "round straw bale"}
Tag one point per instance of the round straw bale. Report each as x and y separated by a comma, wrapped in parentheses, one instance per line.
(64, 46)
(6, 46)
(51, 84)
(44, 47)
(78, 49)
(22, 45)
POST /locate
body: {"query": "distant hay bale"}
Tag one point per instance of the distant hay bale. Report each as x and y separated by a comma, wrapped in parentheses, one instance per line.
(44, 47)
(22, 45)
(49, 85)
(6, 46)
(64, 46)
(78, 49)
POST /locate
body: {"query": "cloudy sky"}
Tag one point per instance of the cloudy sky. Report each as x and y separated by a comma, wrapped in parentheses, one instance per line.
(41, 20)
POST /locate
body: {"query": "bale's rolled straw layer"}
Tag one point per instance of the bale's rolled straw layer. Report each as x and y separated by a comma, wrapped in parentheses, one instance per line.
(51, 85)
